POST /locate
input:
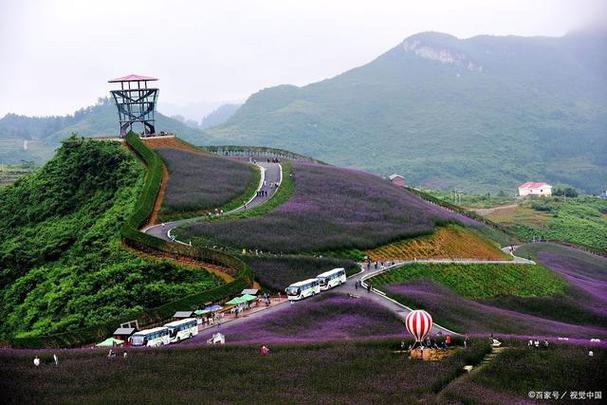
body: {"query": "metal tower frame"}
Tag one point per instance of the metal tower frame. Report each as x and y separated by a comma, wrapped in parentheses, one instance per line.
(136, 103)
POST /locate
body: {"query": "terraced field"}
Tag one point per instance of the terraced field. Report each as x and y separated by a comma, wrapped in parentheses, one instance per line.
(445, 243)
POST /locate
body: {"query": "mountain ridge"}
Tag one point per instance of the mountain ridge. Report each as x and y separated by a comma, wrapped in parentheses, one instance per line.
(445, 119)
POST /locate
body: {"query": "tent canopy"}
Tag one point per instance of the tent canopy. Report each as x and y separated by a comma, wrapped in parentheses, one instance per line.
(110, 342)
(241, 300)
(201, 311)
(213, 308)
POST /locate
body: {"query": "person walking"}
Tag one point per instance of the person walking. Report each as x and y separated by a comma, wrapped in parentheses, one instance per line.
(36, 361)
(356, 285)
(369, 287)
(56, 359)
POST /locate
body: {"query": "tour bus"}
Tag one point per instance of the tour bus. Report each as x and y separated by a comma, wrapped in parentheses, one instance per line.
(332, 278)
(182, 329)
(151, 337)
(303, 289)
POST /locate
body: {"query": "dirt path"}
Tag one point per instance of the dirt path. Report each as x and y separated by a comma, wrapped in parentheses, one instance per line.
(487, 211)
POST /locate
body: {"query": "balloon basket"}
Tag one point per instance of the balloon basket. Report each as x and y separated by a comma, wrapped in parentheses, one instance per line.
(428, 354)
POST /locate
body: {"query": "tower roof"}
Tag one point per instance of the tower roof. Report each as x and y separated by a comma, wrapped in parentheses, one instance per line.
(133, 78)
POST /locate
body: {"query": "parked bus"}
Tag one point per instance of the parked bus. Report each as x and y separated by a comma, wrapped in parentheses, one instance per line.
(303, 289)
(182, 329)
(151, 337)
(332, 278)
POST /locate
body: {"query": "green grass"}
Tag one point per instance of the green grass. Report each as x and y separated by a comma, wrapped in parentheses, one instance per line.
(480, 280)
(579, 220)
(62, 266)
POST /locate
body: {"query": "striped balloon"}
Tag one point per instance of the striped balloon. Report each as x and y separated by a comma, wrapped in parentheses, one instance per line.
(418, 324)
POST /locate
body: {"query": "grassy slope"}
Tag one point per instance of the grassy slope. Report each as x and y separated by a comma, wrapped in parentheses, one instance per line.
(61, 266)
(579, 220)
(480, 280)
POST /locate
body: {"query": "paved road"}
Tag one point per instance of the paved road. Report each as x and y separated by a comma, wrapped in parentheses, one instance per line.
(271, 173)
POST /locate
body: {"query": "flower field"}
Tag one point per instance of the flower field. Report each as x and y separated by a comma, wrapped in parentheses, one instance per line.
(199, 181)
(330, 316)
(278, 272)
(565, 298)
(563, 369)
(477, 317)
(447, 242)
(339, 373)
(332, 208)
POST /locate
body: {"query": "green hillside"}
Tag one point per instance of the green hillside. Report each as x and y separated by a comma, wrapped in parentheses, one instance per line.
(61, 263)
(36, 138)
(480, 114)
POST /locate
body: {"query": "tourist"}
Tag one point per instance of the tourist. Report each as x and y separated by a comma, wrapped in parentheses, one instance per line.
(369, 287)
(466, 342)
(264, 350)
(536, 343)
(530, 344)
(545, 343)
(447, 341)
(356, 285)
(125, 355)
(56, 359)
(36, 361)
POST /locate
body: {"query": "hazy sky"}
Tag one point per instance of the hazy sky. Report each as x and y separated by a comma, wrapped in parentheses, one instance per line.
(56, 56)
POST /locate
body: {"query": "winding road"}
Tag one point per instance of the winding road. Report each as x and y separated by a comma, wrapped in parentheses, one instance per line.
(271, 173)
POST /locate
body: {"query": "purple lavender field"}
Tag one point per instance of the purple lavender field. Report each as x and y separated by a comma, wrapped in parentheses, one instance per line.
(200, 181)
(327, 317)
(332, 208)
(477, 317)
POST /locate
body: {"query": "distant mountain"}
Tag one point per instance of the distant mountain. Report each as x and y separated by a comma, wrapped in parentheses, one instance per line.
(219, 116)
(35, 138)
(478, 114)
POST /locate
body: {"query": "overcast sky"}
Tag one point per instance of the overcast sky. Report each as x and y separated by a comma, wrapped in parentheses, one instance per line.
(56, 56)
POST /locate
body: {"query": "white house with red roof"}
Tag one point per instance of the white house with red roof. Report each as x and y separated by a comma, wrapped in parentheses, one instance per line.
(533, 188)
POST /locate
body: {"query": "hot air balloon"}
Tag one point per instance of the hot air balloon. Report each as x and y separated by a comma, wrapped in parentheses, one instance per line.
(418, 324)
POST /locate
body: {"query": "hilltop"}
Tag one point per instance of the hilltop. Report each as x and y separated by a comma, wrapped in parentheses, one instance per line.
(479, 114)
(36, 138)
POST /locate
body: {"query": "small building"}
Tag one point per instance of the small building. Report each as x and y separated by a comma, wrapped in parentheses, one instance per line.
(533, 188)
(123, 333)
(397, 180)
(604, 194)
(249, 291)
(182, 314)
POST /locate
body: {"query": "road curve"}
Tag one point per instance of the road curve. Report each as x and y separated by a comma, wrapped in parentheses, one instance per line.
(271, 173)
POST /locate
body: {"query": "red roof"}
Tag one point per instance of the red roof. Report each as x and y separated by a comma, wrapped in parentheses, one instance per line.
(133, 78)
(531, 184)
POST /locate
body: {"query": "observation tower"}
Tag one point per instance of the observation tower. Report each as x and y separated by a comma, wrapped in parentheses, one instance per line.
(136, 104)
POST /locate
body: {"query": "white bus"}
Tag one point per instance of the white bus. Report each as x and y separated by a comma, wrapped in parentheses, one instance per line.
(332, 278)
(182, 329)
(151, 337)
(303, 289)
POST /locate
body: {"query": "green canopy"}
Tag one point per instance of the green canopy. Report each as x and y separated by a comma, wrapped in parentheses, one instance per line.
(235, 301)
(242, 299)
(110, 342)
(201, 311)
